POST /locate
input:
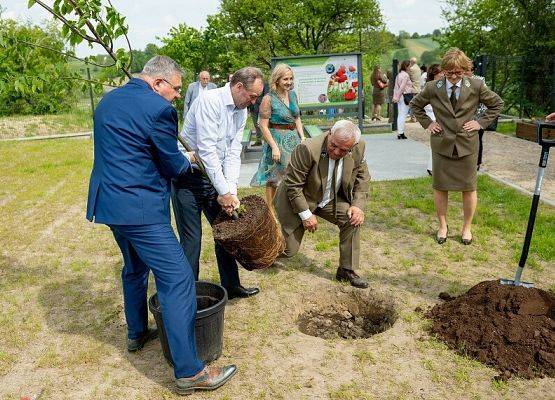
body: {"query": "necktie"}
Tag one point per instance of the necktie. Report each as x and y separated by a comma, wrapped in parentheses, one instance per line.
(453, 97)
(334, 181)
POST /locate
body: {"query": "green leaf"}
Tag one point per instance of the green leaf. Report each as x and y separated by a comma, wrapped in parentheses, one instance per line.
(31, 3)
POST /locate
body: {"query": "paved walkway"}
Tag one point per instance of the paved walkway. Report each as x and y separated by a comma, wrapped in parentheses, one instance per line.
(388, 158)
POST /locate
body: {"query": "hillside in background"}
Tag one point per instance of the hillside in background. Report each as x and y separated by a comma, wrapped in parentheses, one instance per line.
(413, 48)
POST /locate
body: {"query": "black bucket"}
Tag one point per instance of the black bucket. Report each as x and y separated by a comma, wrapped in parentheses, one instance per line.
(209, 322)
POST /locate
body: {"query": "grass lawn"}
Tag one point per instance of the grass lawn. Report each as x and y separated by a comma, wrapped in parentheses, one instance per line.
(78, 120)
(62, 328)
(418, 46)
(507, 128)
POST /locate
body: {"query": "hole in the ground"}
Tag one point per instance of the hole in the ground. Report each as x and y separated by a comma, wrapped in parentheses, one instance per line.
(348, 314)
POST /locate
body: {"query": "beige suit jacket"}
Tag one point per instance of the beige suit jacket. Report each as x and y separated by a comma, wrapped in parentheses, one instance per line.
(302, 187)
(415, 74)
(472, 93)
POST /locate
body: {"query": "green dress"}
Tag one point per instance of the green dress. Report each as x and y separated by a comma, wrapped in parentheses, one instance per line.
(270, 172)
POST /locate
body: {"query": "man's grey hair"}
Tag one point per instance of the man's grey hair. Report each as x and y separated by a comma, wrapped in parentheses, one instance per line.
(412, 60)
(161, 67)
(246, 76)
(346, 130)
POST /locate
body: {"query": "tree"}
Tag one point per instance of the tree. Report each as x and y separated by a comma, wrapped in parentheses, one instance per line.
(213, 49)
(520, 34)
(95, 23)
(140, 57)
(415, 35)
(294, 27)
(33, 79)
(436, 33)
(430, 57)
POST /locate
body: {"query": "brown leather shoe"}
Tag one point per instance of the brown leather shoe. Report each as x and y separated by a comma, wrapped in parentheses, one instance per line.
(348, 275)
(209, 378)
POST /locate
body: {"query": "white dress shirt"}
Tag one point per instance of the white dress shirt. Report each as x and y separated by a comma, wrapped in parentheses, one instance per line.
(457, 88)
(213, 128)
(326, 197)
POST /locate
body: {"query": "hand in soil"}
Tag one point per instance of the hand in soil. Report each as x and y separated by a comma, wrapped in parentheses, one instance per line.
(311, 224)
(228, 201)
(356, 216)
(236, 202)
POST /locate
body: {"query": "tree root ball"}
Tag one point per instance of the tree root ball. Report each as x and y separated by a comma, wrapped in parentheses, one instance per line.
(254, 239)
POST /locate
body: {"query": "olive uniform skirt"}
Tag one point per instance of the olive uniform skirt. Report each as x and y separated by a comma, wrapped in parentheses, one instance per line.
(457, 174)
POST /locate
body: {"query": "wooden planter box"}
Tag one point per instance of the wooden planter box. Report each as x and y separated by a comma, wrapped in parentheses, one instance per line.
(527, 130)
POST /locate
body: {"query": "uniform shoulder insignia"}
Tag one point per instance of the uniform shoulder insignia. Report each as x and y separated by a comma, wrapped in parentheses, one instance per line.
(439, 84)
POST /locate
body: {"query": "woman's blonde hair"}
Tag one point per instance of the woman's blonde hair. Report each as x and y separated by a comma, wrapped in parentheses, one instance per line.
(455, 58)
(277, 74)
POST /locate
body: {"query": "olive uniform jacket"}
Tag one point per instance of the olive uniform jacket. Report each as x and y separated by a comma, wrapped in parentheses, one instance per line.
(472, 93)
(303, 185)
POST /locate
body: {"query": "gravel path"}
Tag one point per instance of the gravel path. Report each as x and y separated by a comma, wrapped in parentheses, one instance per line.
(508, 158)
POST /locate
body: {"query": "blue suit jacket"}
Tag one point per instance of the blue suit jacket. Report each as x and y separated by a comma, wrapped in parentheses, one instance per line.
(135, 157)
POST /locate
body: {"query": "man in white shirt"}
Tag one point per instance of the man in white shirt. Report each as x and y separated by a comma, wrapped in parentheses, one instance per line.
(213, 129)
(194, 89)
(309, 190)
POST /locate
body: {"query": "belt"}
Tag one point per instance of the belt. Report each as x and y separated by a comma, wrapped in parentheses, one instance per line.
(285, 127)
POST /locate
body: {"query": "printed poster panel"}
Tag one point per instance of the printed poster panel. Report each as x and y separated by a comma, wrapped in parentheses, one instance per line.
(325, 81)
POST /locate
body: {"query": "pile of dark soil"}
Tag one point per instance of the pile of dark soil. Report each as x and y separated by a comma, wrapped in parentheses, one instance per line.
(510, 328)
(254, 239)
(349, 314)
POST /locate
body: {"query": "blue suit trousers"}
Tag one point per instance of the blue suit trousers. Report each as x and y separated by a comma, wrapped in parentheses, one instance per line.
(155, 247)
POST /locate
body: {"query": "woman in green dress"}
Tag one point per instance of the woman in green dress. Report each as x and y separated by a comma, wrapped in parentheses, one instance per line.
(282, 130)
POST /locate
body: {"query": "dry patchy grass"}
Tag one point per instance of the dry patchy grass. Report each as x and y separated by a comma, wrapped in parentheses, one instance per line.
(62, 327)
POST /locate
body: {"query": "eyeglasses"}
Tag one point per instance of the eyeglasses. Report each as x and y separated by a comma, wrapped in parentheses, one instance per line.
(339, 149)
(454, 73)
(175, 88)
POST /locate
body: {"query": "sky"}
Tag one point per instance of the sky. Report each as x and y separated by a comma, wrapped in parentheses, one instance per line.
(148, 19)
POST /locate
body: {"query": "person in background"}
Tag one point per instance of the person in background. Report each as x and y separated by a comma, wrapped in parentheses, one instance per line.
(379, 84)
(254, 110)
(213, 129)
(454, 135)
(479, 112)
(282, 130)
(390, 87)
(414, 73)
(423, 76)
(403, 86)
(195, 88)
(136, 155)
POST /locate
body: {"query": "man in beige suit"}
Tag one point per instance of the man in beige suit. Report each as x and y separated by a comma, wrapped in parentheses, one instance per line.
(454, 135)
(415, 74)
(309, 189)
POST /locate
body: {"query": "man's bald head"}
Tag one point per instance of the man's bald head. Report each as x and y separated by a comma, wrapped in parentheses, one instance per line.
(413, 60)
(204, 78)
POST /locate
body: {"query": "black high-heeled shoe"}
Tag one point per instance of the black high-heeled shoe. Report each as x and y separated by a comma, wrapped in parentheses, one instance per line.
(441, 239)
(466, 242)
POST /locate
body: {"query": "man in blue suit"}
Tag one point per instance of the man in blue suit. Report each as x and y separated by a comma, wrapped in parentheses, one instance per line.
(135, 157)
